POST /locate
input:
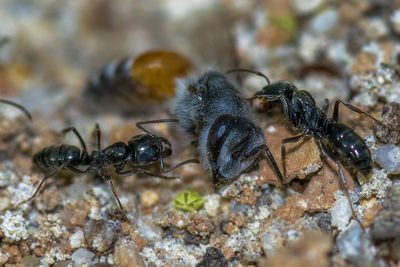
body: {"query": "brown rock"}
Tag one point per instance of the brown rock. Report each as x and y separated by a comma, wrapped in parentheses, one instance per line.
(319, 193)
(391, 117)
(24, 248)
(244, 194)
(302, 158)
(292, 210)
(126, 254)
(101, 234)
(311, 251)
(364, 62)
(15, 254)
(371, 210)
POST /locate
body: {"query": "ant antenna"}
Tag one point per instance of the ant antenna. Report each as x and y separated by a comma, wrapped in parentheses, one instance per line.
(251, 71)
(139, 124)
(11, 103)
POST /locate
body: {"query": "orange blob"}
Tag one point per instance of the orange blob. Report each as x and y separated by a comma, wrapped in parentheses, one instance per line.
(157, 70)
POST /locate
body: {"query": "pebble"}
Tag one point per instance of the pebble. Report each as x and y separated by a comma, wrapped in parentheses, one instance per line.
(101, 234)
(82, 256)
(213, 257)
(355, 246)
(388, 156)
(127, 254)
(387, 223)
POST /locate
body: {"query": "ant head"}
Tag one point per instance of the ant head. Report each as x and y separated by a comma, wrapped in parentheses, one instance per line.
(230, 143)
(147, 149)
(280, 88)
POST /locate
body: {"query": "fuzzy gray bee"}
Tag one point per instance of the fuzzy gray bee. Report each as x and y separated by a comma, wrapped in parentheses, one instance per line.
(210, 110)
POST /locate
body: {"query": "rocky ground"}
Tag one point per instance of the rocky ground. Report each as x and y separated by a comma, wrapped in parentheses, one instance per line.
(334, 49)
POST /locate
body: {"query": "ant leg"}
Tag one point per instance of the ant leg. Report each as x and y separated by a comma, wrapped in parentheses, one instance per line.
(178, 165)
(141, 171)
(20, 107)
(271, 159)
(355, 109)
(75, 170)
(37, 189)
(98, 134)
(325, 105)
(140, 123)
(117, 198)
(283, 148)
(78, 135)
(345, 188)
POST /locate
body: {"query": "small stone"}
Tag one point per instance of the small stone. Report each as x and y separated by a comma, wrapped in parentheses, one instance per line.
(82, 257)
(13, 226)
(211, 204)
(391, 117)
(324, 21)
(213, 257)
(364, 62)
(30, 261)
(341, 211)
(312, 251)
(127, 254)
(395, 19)
(387, 223)
(355, 246)
(388, 156)
(319, 193)
(149, 198)
(15, 254)
(77, 240)
(375, 27)
(292, 210)
(371, 210)
(302, 158)
(101, 234)
(305, 7)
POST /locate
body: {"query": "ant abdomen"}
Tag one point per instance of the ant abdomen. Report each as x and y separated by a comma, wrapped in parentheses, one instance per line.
(57, 156)
(343, 144)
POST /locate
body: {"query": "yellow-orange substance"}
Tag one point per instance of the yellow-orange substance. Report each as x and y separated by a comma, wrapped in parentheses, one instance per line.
(157, 70)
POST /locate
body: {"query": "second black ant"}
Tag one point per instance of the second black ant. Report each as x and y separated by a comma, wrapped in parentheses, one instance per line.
(337, 141)
(141, 151)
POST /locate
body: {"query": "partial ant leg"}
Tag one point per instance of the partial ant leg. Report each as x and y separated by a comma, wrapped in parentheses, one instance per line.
(98, 134)
(258, 73)
(75, 170)
(271, 159)
(78, 135)
(345, 188)
(359, 111)
(325, 106)
(37, 189)
(117, 198)
(141, 171)
(283, 148)
(20, 107)
(177, 165)
(139, 124)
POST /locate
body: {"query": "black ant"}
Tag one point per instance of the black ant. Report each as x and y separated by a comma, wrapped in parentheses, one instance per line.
(229, 142)
(338, 141)
(141, 150)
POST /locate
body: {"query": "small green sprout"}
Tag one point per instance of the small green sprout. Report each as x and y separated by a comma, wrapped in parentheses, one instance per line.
(188, 200)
